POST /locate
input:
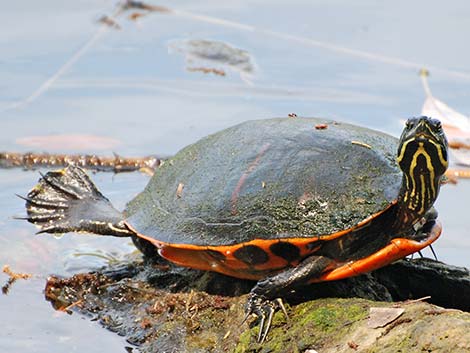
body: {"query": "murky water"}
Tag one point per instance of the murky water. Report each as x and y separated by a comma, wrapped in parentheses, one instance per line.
(356, 63)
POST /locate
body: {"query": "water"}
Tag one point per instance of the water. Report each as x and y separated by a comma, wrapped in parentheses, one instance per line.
(356, 63)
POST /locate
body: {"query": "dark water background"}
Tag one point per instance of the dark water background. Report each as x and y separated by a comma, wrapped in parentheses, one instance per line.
(356, 62)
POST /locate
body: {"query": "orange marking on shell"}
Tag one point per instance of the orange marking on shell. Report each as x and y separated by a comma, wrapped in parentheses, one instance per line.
(241, 181)
(199, 257)
(397, 249)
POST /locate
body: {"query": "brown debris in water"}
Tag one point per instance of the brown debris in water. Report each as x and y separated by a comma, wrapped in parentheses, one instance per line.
(140, 5)
(70, 292)
(136, 15)
(207, 70)
(109, 21)
(143, 313)
(454, 174)
(458, 145)
(13, 277)
(116, 164)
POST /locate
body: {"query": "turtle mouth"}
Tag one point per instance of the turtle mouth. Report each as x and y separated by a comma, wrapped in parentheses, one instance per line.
(424, 138)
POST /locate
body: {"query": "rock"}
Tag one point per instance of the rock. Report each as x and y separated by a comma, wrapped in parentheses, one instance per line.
(172, 309)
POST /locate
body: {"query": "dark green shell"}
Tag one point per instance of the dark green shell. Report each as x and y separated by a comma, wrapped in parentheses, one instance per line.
(268, 179)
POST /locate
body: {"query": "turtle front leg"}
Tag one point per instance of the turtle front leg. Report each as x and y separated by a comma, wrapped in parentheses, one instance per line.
(425, 227)
(264, 298)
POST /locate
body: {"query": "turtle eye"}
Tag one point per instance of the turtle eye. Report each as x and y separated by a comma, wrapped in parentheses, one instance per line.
(436, 124)
(409, 124)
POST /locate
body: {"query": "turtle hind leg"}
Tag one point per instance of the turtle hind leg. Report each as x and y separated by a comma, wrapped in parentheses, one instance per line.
(66, 200)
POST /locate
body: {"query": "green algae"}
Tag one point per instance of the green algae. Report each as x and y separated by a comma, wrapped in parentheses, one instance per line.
(194, 321)
(309, 325)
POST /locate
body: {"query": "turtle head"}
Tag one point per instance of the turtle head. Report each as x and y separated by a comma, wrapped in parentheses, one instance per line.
(422, 156)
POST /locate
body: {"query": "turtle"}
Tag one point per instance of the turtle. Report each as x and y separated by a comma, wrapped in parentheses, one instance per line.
(285, 202)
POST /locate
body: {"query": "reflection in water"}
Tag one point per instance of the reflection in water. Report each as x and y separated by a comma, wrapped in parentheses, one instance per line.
(293, 39)
(209, 53)
(200, 88)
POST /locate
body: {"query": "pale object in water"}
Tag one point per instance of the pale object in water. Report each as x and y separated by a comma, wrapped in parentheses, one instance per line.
(455, 124)
(209, 53)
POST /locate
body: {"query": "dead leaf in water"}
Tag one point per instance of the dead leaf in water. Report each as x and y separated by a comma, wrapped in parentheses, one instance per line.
(75, 142)
(140, 5)
(455, 124)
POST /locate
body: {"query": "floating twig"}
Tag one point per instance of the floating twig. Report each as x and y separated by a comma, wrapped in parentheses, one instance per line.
(207, 70)
(116, 164)
(13, 277)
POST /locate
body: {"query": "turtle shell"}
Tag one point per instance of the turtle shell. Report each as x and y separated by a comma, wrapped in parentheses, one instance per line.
(269, 179)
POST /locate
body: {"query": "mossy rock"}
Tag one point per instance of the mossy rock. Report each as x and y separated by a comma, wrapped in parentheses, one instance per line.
(172, 311)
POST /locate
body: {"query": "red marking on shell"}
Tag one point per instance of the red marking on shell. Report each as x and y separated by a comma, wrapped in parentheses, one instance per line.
(241, 181)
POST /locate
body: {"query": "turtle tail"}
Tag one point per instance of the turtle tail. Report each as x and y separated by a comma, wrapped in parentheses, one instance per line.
(66, 200)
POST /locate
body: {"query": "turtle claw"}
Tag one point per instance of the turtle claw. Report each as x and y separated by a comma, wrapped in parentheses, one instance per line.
(263, 309)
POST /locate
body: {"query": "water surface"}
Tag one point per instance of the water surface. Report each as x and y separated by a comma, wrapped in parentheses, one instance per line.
(338, 59)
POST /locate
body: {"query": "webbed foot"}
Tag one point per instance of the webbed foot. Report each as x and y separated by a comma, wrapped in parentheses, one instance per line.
(263, 309)
(66, 200)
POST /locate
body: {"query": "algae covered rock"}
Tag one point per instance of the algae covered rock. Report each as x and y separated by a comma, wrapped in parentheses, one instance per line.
(171, 309)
